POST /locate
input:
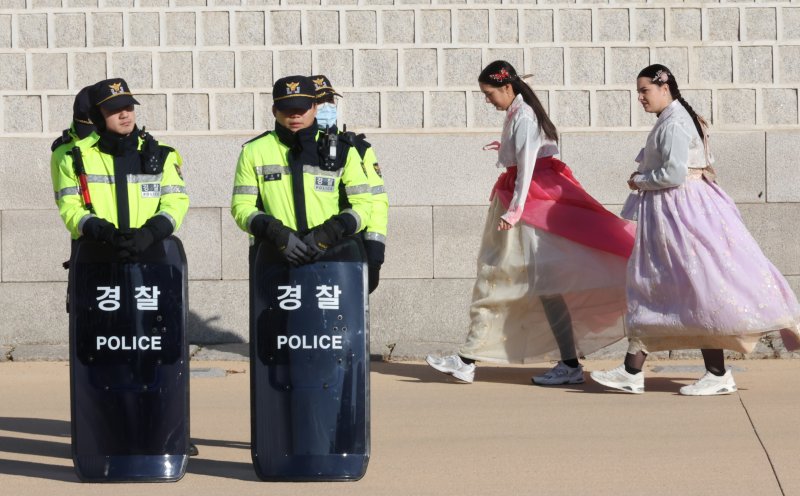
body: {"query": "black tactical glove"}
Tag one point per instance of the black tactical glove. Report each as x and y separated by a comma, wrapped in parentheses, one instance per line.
(324, 236)
(98, 229)
(137, 241)
(293, 249)
(375, 252)
(373, 277)
(132, 243)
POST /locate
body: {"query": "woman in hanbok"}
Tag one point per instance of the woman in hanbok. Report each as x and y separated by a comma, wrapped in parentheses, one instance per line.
(696, 278)
(551, 268)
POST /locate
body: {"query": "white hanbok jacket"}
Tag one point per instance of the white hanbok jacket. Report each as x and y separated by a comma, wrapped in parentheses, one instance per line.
(673, 147)
(521, 143)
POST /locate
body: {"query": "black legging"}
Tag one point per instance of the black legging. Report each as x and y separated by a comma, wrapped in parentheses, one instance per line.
(555, 308)
(714, 360)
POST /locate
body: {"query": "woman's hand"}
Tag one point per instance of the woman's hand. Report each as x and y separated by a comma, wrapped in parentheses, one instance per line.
(503, 225)
(631, 184)
(494, 145)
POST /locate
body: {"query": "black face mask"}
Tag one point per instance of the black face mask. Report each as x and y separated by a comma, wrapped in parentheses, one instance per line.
(303, 139)
(117, 144)
(285, 136)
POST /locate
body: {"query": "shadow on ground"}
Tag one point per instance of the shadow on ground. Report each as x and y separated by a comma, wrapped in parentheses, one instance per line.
(14, 446)
(220, 468)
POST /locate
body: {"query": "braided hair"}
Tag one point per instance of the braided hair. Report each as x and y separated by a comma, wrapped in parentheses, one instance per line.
(660, 75)
(499, 73)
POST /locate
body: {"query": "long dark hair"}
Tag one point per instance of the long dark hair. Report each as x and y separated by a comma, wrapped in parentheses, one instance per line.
(661, 75)
(500, 73)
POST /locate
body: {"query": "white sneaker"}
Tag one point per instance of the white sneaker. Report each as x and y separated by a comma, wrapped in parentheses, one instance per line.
(711, 385)
(560, 374)
(453, 365)
(619, 378)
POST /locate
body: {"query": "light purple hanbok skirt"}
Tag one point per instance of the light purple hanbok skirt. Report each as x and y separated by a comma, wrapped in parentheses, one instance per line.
(698, 279)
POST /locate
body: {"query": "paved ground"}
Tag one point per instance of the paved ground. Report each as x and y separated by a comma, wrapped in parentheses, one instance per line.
(432, 436)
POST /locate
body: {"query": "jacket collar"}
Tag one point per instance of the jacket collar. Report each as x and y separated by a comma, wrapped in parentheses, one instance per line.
(296, 141)
(671, 108)
(118, 145)
(516, 103)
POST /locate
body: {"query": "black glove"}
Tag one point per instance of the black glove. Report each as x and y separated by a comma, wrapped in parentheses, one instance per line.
(136, 241)
(324, 236)
(132, 243)
(98, 229)
(293, 249)
(373, 277)
(375, 252)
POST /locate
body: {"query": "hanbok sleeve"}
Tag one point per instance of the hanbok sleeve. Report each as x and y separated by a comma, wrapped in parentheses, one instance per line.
(673, 146)
(527, 140)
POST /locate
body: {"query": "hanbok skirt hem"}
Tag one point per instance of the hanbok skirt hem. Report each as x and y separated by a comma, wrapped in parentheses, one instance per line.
(517, 268)
(697, 278)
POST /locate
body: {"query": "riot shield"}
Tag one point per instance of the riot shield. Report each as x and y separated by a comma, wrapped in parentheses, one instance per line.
(129, 364)
(309, 360)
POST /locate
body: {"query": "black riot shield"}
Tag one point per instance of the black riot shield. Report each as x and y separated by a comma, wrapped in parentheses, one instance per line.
(129, 364)
(309, 359)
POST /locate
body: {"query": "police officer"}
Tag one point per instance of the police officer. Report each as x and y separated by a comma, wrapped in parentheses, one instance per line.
(136, 194)
(81, 125)
(81, 128)
(374, 234)
(286, 194)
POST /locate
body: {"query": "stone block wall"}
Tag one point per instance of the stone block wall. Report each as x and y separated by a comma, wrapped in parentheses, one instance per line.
(208, 66)
(203, 71)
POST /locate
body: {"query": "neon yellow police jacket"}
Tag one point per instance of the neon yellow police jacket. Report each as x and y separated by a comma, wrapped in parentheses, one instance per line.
(377, 227)
(148, 194)
(263, 172)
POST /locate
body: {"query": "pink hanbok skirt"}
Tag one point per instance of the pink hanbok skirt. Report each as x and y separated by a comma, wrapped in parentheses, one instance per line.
(566, 244)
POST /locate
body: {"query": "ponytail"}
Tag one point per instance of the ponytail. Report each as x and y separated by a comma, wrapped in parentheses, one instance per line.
(499, 73)
(546, 126)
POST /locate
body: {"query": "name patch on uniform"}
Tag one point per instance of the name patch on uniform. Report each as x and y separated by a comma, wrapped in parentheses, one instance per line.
(325, 184)
(151, 190)
(274, 176)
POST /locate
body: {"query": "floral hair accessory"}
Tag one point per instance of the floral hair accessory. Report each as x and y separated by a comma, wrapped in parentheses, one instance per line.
(661, 75)
(500, 76)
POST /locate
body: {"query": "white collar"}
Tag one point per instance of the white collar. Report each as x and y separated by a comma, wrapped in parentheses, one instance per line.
(668, 111)
(516, 103)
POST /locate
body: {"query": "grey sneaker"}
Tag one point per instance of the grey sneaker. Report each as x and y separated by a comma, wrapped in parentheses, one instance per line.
(711, 385)
(619, 378)
(453, 365)
(560, 374)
